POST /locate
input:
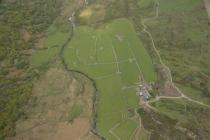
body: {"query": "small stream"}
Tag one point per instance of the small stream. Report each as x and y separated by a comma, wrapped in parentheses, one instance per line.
(71, 19)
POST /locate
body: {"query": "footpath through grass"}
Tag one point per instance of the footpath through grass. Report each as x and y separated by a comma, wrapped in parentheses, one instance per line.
(114, 57)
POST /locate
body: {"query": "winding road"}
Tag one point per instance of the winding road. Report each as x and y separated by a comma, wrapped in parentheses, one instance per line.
(168, 71)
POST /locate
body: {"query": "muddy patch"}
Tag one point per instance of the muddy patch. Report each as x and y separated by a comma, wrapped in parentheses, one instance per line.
(40, 41)
(26, 36)
(167, 89)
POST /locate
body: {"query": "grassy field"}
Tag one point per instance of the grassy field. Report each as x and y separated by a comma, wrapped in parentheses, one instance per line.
(55, 36)
(179, 6)
(123, 127)
(114, 57)
(144, 3)
(42, 57)
(57, 33)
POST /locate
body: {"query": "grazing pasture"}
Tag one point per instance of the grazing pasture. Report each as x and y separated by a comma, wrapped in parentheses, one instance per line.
(174, 6)
(44, 56)
(114, 58)
(55, 36)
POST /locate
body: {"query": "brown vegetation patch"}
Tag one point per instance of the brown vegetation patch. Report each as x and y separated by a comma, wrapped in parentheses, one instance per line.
(71, 7)
(40, 41)
(78, 130)
(92, 14)
(167, 89)
(14, 72)
(54, 95)
(27, 52)
(25, 35)
(86, 13)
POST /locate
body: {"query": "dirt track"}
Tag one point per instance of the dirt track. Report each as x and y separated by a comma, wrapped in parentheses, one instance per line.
(207, 5)
(168, 71)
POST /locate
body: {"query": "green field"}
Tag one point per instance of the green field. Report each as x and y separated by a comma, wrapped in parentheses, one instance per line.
(114, 57)
(144, 3)
(171, 6)
(55, 36)
(41, 57)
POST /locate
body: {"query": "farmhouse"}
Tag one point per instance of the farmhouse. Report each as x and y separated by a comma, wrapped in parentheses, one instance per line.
(144, 93)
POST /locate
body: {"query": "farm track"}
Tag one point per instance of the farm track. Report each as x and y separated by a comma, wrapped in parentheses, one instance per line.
(116, 59)
(108, 63)
(207, 5)
(205, 75)
(113, 134)
(169, 75)
(134, 56)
